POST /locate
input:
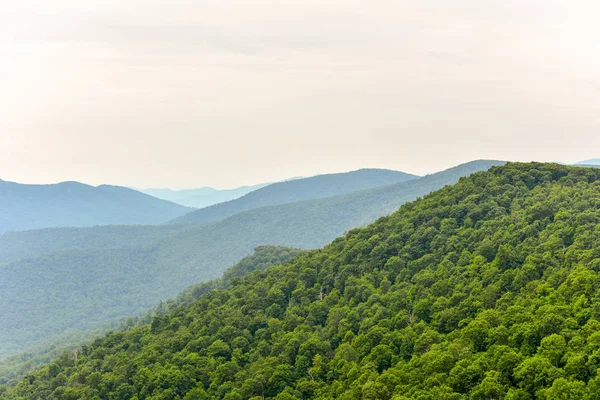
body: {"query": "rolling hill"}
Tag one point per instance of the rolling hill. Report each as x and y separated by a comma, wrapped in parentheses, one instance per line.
(85, 288)
(315, 187)
(202, 197)
(487, 289)
(73, 204)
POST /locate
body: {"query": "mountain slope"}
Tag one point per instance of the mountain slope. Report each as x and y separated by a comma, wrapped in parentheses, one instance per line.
(73, 204)
(487, 289)
(202, 197)
(297, 190)
(90, 287)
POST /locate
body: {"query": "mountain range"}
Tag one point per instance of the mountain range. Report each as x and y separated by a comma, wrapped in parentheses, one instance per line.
(93, 281)
(484, 289)
(73, 204)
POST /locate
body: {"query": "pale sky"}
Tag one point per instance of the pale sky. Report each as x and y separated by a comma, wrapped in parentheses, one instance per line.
(187, 93)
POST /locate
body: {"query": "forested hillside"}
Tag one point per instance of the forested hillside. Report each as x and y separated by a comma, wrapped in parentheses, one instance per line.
(70, 204)
(315, 187)
(17, 366)
(88, 287)
(487, 289)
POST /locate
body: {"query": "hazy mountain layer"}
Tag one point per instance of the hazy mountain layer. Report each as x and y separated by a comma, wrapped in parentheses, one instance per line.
(594, 161)
(34, 243)
(202, 197)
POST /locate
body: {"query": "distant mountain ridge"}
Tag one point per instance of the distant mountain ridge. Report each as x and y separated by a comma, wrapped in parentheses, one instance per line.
(74, 204)
(201, 197)
(593, 161)
(320, 186)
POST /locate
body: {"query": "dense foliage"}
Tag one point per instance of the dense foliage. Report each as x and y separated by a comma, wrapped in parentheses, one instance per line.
(85, 286)
(487, 289)
(70, 204)
(315, 187)
(16, 366)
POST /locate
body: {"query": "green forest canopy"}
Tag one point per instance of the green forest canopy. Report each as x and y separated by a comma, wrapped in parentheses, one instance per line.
(487, 289)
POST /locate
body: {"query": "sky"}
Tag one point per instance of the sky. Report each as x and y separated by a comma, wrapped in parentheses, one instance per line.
(189, 93)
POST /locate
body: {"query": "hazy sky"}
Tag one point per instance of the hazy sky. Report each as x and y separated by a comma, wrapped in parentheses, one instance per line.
(185, 93)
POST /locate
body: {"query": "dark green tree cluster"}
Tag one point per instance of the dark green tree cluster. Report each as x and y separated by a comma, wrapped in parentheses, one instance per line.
(487, 289)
